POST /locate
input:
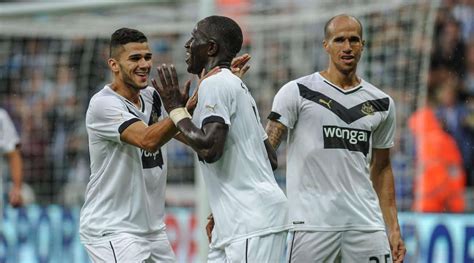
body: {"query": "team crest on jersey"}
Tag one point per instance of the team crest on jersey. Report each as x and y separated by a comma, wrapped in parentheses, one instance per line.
(367, 108)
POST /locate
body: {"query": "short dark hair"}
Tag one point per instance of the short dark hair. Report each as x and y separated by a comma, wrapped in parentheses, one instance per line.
(226, 31)
(326, 27)
(123, 36)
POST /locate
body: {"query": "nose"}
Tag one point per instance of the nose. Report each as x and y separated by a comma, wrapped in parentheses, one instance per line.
(143, 63)
(347, 46)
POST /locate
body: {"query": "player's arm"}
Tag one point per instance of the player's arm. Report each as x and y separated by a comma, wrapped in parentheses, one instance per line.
(382, 178)
(208, 142)
(16, 170)
(276, 131)
(272, 156)
(149, 138)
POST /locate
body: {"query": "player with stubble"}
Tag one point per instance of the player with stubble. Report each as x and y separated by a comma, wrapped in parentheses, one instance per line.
(249, 208)
(340, 183)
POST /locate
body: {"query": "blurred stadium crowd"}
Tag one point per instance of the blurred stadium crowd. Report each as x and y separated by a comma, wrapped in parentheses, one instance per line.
(45, 85)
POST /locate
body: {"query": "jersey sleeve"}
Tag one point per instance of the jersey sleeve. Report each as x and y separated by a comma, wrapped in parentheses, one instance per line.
(285, 106)
(9, 137)
(384, 134)
(108, 117)
(215, 103)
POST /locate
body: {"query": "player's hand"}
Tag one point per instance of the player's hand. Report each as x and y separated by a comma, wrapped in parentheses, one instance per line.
(169, 90)
(15, 197)
(239, 65)
(193, 100)
(397, 246)
(209, 227)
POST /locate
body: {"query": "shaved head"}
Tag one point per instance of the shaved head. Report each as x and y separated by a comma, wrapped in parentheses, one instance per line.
(340, 18)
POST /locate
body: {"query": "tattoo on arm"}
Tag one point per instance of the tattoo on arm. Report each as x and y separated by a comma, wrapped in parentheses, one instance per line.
(276, 132)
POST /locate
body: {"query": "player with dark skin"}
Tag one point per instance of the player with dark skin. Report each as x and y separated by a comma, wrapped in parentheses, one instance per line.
(205, 53)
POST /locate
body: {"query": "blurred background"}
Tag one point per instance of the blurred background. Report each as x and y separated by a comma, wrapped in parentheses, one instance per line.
(53, 59)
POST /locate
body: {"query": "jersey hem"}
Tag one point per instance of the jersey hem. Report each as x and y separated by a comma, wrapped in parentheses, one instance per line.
(310, 228)
(263, 232)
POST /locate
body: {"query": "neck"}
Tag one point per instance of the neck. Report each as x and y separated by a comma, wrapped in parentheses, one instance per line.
(217, 62)
(344, 80)
(130, 93)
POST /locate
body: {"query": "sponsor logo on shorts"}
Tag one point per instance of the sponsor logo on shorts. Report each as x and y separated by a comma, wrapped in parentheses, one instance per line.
(345, 138)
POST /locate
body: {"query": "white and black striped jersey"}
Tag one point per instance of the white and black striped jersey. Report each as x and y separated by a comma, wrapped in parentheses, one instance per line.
(126, 188)
(243, 195)
(331, 135)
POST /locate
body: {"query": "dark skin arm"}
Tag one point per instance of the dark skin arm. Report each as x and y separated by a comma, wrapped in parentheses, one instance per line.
(382, 178)
(272, 156)
(209, 141)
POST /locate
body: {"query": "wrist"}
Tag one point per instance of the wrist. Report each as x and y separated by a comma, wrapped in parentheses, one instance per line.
(177, 114)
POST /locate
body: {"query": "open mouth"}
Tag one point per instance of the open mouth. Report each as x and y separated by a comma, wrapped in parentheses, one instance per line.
(347, 59)
(143, 75)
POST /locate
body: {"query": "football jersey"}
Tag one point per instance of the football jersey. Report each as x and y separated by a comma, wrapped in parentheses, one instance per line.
(243, 195)
(126, 188)
(330, 139)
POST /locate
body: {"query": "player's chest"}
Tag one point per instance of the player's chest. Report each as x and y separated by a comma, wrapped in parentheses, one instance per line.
(364, 114)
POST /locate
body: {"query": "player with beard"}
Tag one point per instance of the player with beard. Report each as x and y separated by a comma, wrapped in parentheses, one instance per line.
(339, 178)
(122, 217)
(249, 208)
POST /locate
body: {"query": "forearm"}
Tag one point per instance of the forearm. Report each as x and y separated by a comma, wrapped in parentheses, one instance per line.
(276, 132)
(16, 168)
(159, 133)
(206, 146)
(382, 179)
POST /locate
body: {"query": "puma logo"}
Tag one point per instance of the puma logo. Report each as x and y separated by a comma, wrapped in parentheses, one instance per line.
(327, 103)
(211, 107)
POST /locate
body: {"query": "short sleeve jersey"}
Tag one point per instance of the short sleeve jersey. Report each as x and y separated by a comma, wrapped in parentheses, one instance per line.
(331, 135)
(244, 197)
(126, 188)
(8, 136)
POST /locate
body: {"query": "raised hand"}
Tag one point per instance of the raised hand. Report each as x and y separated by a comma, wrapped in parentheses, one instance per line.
(169, 90)
(192, 102)
(239, 65)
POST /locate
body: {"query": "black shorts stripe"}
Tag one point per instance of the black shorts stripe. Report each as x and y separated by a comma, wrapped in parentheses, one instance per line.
(211, 119)
(113, 251)
(292, 245)
(246, 250)
(125, 125)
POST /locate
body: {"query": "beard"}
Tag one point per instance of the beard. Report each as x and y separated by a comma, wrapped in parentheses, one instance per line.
(129, 81)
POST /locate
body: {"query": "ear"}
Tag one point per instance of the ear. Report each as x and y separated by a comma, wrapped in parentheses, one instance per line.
(363, 45)
(325, 45)
(213, 48)
(113, 65)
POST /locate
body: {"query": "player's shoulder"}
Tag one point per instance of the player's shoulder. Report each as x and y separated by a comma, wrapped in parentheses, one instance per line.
(104, 98)
(375, 91)
(308, 81)
(223, 81)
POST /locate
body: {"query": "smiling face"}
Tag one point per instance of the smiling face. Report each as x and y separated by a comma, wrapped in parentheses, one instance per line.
(344, 43)
(133, 64)
(196, 50)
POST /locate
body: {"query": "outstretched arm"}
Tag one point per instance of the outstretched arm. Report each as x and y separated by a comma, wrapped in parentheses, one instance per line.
(382, 178)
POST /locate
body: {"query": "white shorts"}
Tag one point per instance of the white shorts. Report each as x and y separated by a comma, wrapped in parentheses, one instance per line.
(344, 246)
(128, 248)
(267, 248)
